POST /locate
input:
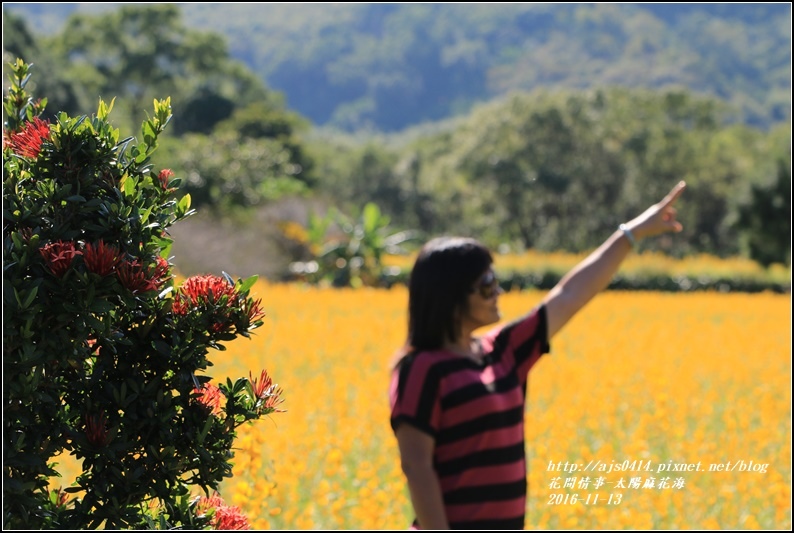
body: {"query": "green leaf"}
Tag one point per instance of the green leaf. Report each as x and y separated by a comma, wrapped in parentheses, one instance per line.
(246, 284)
(207, 425)
(30, 298)
(162, 347)
(371, 217)
(128, 185)
(164, 244)
(240, 385)
(105, 109)
(102, 306)
(16, 295)
(145, 216)
(149, 133)
(183, 205)
(140, 154)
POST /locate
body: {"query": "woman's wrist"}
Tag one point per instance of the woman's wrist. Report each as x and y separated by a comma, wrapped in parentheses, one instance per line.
(639, 228)
(629, 234)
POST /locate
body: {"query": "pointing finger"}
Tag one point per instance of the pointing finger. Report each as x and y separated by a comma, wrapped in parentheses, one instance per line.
(673, 195)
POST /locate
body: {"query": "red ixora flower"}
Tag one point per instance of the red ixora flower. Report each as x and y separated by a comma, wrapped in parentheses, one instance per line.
(101, 258)
(27, 142)
(204, 290)
(225, 517)
(253, 308)
(218, 296)
(164, 176)
(266, 390)
(207, 292)
(59, 255)
(137, 278)
(210, 397)
(229, 518)
(95, 429)
(160, 271)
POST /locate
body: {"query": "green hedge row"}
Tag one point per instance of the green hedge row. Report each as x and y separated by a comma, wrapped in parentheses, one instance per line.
(545, 280)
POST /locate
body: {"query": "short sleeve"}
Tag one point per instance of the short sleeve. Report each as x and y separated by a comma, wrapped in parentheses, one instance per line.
(414, 395)
(520, 342)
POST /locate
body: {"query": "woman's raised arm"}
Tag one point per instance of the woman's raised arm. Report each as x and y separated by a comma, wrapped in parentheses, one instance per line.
(593, 275)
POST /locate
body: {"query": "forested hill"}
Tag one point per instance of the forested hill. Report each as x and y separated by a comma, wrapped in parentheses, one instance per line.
(388, 66)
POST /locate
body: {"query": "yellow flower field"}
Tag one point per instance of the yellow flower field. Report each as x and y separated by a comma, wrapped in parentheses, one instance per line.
(672, 381)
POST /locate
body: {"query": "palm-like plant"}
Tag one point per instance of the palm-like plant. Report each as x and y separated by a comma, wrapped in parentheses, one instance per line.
(348, 250)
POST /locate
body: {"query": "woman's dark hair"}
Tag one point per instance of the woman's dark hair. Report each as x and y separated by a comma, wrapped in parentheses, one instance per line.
(440, 283)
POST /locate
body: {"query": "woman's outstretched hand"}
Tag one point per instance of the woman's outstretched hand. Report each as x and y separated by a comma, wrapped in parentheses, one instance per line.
(660, 217)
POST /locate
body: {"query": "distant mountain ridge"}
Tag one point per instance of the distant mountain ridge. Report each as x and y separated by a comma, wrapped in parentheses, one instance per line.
(386, 67)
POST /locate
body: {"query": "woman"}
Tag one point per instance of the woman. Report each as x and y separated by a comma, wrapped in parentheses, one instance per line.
(457, 401)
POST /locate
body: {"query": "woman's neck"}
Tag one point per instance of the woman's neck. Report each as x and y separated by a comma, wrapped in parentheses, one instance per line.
(466, 346)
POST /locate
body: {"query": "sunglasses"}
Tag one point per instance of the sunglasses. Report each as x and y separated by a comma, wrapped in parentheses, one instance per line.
(488, 285)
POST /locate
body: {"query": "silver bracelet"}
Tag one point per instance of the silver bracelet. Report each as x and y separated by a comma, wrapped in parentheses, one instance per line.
(629, 235)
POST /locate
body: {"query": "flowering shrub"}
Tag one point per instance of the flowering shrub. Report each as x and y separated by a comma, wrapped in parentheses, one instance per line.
(104, 358)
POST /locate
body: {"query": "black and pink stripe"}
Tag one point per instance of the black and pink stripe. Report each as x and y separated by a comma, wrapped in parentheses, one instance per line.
(475, 412)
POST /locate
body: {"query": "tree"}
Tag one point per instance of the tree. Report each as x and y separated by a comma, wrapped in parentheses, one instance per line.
(558, 171)
(140, 51)
(765, 220)
(104, 355)
(228, 172)
(365, 174)
(62, 93)
(265, 120)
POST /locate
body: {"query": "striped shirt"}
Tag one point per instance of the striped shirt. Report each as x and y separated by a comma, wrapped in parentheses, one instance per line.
(475, 413)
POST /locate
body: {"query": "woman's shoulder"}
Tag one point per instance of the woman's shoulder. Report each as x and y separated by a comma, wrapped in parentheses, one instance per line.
(529, 325)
